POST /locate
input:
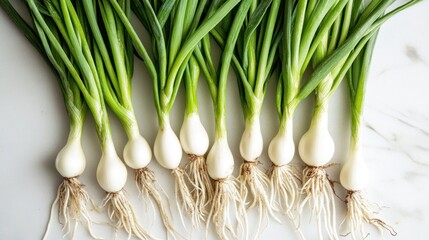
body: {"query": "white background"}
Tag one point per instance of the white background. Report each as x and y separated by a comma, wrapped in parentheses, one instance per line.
(34, 127)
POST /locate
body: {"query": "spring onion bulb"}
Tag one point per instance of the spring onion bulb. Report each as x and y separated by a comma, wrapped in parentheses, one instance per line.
(71, 161)
(251, 143)
(354, 175)
(220, 162)
(195, 141)
(193, 136)
(282, 147)
(111, 172)
(72, 198)
(316, 146)
(137, 152)
(167, 147)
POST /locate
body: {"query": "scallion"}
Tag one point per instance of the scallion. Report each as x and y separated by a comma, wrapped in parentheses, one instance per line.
(72, 198)
(354, 176)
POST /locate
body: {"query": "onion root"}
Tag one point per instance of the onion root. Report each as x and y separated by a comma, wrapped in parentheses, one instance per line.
(202, 192)
(184, 198)
(285, 184)
(226, 200)
(320, 195)
(122, 213)
(72, 200)
(146, 184)
(253, 180)
(359, 212)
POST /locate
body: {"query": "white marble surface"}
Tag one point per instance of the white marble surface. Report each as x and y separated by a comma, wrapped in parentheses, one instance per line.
(33, 127)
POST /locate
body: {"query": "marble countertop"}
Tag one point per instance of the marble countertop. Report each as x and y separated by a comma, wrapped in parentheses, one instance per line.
(33, 128)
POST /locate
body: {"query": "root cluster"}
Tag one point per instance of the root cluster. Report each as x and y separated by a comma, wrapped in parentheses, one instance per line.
(359, 212)
(202, 191)
(319, 194)
(253, 179)
(227, 201)
(122, 214)
(146, 184)
(285, 184)
(184, 197)
(72, 200)
(285, 192)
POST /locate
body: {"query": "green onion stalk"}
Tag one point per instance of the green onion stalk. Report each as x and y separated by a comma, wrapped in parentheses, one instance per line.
(74, 47)
(257, 55)
(164, 21)
(114, 58)
(354, 176)
(72, 198)
(220, 161)
(333, 51)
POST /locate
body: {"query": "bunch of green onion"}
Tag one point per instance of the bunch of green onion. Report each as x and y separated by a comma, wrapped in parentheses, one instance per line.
(174, 39)
(91, 46)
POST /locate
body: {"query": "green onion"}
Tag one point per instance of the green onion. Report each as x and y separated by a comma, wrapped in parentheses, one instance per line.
(354, 174)
(72, 198)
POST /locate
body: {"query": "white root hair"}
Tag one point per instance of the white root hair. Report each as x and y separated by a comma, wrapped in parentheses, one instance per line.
(72, 200)
(184, 198)
(253, 179)
(359, 212)
(203, 192)
(285, 185)
(320, 196)
(226, 200)
(147, 186)
(122, 213)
